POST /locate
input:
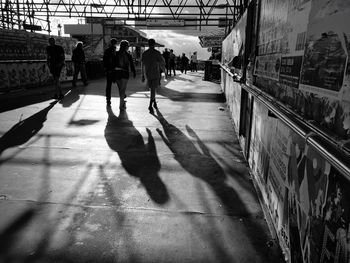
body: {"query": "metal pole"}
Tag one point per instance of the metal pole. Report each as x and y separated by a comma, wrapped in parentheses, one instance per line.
(18, 15)
(92, 29)
(226, 22)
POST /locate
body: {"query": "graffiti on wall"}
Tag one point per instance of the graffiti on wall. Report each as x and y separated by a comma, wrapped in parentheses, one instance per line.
(29, 74)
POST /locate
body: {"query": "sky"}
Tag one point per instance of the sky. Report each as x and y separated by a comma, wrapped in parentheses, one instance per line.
(179, 42)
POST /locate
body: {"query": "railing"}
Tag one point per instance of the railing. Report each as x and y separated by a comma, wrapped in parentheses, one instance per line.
(331, 149)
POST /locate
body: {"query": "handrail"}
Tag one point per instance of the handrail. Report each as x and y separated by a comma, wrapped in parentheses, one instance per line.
(326, 146)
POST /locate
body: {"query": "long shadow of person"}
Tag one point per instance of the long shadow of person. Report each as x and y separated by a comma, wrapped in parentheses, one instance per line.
(137, 158)
(22, 131)
(200, 164)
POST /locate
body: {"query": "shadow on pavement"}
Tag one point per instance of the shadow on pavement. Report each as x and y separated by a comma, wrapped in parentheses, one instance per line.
(202, 165)
(24, 130)
(138, 158)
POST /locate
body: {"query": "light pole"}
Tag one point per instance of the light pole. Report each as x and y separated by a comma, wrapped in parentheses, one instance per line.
(92, 25)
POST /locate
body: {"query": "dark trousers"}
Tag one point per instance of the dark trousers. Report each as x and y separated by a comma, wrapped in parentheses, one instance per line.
(79, 67)
(172, 68)
(194, 67)
(109, 86)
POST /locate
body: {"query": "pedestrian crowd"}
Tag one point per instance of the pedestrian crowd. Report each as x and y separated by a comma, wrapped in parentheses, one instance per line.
(118, 64)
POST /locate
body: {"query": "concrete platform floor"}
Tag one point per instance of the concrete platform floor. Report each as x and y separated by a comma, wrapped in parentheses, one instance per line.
(81, 182)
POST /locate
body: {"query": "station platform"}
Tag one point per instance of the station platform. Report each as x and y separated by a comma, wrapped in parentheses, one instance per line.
(83, 182)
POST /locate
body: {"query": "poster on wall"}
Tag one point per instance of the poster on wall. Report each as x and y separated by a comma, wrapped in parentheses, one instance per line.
(335, 243)
(233, 47)
(293, 43)
(272, 23)
(272, 20)
(268, 66)
(278, 172)
(326, 53)
(227, 48)
(259, 155)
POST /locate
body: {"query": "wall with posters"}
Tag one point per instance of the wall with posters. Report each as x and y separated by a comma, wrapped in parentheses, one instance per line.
(301, 59)
(308, 199)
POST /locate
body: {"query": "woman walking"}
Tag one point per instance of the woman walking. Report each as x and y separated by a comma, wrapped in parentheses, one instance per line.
(124, 65)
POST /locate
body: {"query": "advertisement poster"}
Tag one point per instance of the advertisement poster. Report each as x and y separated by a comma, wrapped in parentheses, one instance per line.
(268, 66)
(272, 20)
(259, 156)
(233, 47)
(308, 175)
(290, 71)
(326, 53)
(293, 43)
(277, 180)
(330, 229)
(227, 48)
(233, 95)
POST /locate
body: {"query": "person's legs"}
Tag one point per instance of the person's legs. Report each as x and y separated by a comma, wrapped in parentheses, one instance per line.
(122, 83)
(58, 87)
(83, 73)
(56, 78)
(108, 89)
(75, 75)
(55, 72)
(153, 84)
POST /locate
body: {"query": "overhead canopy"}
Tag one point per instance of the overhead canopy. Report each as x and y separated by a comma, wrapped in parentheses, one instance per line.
(212, 38)
(37, 14)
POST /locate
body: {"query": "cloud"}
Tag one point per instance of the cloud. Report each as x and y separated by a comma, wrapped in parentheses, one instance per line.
(179, 42)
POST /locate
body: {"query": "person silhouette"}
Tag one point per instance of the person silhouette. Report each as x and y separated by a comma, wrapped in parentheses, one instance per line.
(55, 62)
(152, 65)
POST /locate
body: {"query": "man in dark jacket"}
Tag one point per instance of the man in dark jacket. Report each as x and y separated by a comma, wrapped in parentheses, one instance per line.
(110, 62)
(184, 63)
(55, 62)
(78, 59)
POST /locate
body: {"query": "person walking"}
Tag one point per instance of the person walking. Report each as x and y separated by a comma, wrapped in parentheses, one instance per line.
(194, 62)
(152, 65)
(55, 62)
(110, 63)
(166, 56)
(184, 63)
(125, 63)
(172, 63)
(78, 59)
